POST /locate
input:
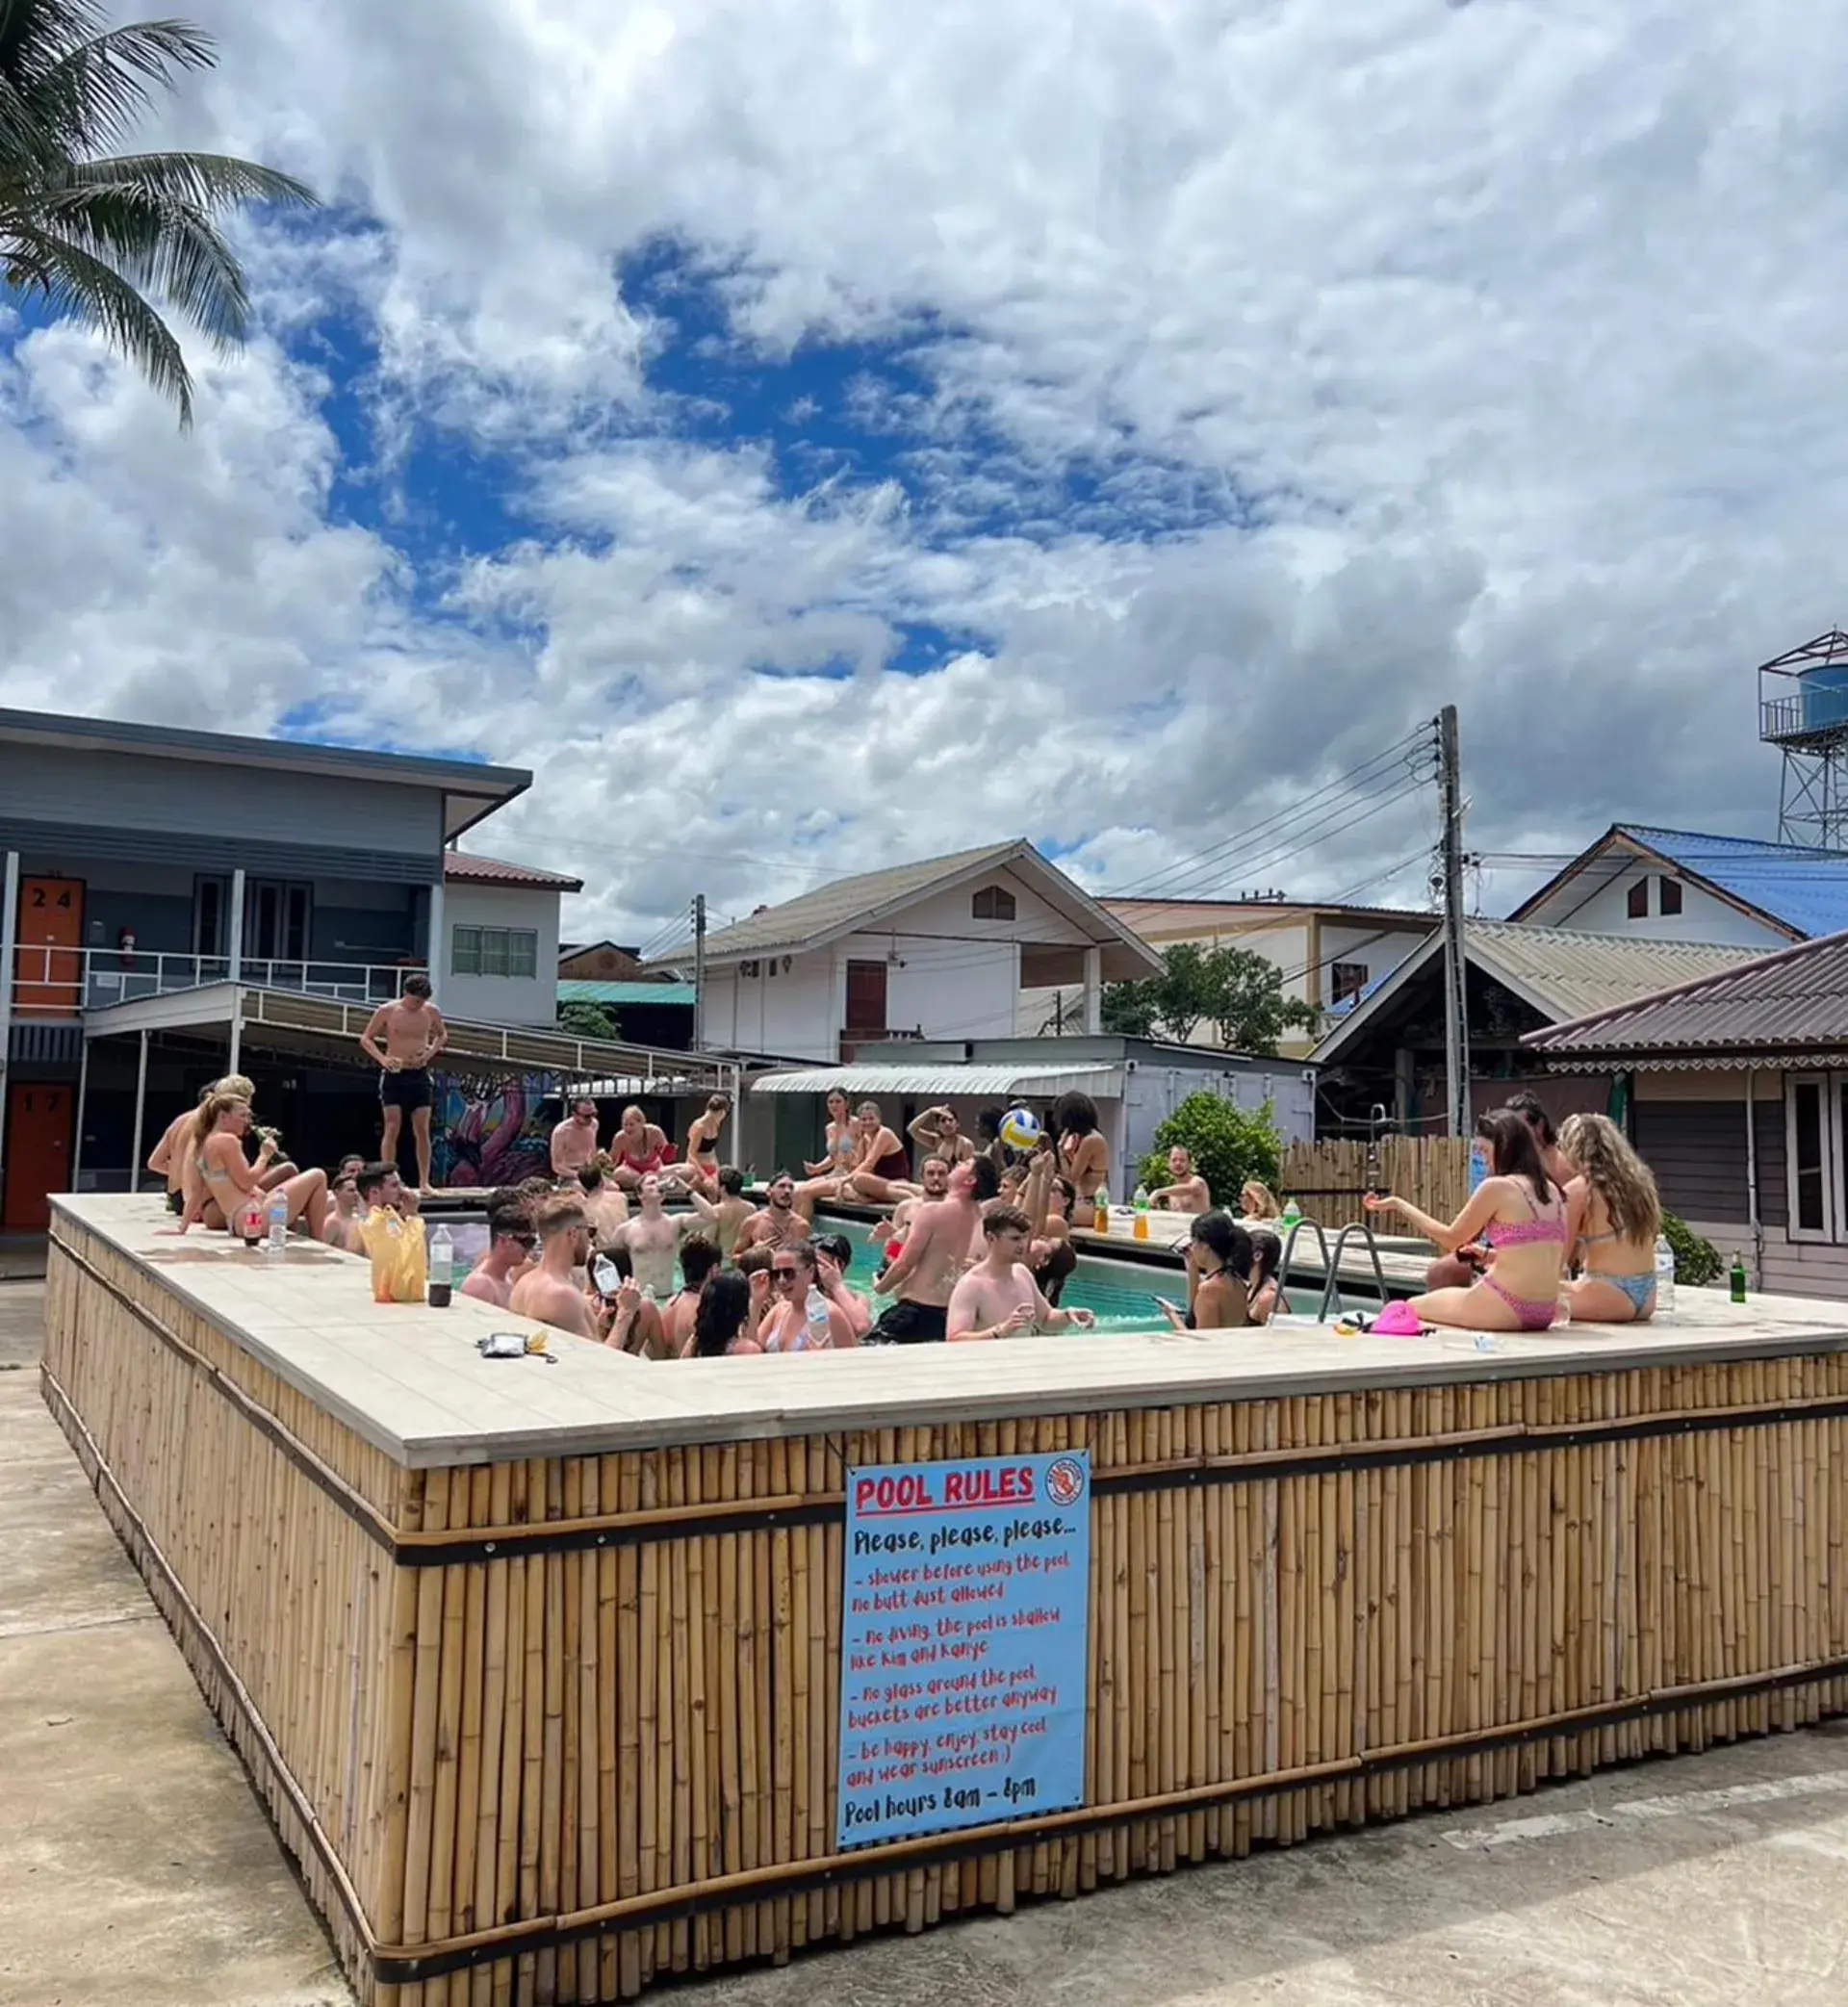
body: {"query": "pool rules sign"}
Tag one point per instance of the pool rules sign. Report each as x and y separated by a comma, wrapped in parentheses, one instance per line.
(964, 1633)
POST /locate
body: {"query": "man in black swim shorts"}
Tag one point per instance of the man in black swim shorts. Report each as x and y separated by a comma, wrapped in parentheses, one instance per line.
(933, 1256)
(404, 1036)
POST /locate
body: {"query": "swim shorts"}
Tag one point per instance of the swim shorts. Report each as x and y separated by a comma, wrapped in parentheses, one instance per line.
(408, 1088)
(911, 1324)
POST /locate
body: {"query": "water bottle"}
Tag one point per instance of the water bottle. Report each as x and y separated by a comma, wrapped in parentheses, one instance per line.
(1291, 1214)
(816, 1337)
(1100, 1219)
(1736, 1279)
(278, 1225)
(1138, 1205)
(442, 1269)
(1664, 1275)
(1139, 1199)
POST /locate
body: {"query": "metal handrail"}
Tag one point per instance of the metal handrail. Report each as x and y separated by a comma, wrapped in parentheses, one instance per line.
(52, 982)
(1331, 1282)
(1289, 1248)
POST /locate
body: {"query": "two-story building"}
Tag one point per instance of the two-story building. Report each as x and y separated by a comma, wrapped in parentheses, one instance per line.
(934, 950)
(177, 904)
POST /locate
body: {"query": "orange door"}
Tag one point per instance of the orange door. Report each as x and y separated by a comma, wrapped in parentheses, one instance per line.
(39, 1129)
(49, 933)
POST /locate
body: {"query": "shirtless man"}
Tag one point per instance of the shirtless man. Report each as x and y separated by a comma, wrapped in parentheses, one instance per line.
(652, 1239)
(890, 1234)
(701, 1171)
(938, 1131)
(881, 1170)
(549, 1293)
(510, 1241)
(1187, 1190)
(604, 1206)
(573, 1141)
(404, 1036)
(998, 1298)
(342, 1229)
(729, 1214)
(779, 1224)
(933, 1256)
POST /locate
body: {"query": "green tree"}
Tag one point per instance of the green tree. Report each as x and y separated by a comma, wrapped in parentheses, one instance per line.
(88, 233)
(589, 1020)
(1229, 1145)
(1238, 994)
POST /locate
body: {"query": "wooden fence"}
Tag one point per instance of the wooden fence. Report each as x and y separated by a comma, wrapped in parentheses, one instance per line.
(1326, 1179)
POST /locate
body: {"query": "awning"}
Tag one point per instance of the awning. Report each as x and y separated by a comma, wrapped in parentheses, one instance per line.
(945, 1080)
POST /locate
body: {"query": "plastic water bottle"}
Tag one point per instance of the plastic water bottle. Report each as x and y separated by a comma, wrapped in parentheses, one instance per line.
(1139, 1199)
(278, 1226)
(1736, 1279)
(442, 1269)
(1664, 1275)
(1291, 1214)
(1100, 1219)
(816, 1337)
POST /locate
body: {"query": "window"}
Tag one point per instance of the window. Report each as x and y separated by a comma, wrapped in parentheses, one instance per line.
(1639, 900)
(992, 902)
(210, 896)
(494, 951)
(1668, 896)
(1349, 979)
(1815, 1113)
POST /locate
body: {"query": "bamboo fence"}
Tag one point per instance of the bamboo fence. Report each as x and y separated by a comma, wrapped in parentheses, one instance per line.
(551, 1730)
(1327, 1179)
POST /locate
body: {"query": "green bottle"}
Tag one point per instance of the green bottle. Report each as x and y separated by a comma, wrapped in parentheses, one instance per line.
(1738, 1278)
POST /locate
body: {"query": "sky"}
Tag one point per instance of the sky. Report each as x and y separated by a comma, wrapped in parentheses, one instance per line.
(811, 434)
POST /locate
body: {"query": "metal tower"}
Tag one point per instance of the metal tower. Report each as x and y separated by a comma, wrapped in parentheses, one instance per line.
(1803, 709)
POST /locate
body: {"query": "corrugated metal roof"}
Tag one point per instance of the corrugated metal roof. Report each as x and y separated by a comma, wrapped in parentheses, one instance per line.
(1805, 888)
(1566, 974)
(923, 1078)
(463, 867)
(576, 989)
(1794, 1000)
(862, 901)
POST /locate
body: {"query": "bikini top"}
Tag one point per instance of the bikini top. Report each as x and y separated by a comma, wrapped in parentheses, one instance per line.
(1516, 1233)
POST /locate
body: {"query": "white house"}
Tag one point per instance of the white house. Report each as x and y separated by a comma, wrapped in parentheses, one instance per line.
(1680, 884)
(500, 947)
(936, 950)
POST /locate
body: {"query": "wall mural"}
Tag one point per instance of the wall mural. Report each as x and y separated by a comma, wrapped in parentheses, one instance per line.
(490, 1130)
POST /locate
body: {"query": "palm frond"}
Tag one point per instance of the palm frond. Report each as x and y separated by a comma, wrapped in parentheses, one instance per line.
(208, 181)
(93, 93)
(159, 244)
(83, 287)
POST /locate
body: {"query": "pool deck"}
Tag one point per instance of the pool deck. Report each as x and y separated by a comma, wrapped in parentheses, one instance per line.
(409, 1379)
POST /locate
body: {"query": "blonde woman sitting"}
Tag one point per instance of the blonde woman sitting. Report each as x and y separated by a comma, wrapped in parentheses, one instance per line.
(1613, 1216)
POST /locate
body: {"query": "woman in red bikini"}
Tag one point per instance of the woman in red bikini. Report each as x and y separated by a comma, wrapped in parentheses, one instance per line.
(1523, 1216)
(883, 1172)
(636, 1149)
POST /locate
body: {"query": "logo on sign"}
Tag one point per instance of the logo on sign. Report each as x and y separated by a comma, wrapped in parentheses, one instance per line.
(1064, 1482)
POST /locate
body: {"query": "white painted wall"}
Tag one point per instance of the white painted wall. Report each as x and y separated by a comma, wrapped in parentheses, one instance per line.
(793, 1013)
(1606, 911)
(497, 999)
(949, 989)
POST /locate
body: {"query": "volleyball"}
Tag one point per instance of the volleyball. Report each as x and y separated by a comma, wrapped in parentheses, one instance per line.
(1021, 1129)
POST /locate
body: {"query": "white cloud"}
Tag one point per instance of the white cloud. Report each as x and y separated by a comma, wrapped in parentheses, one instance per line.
(1401, 353)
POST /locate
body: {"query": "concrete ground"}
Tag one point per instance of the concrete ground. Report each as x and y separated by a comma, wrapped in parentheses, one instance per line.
(137, 1867)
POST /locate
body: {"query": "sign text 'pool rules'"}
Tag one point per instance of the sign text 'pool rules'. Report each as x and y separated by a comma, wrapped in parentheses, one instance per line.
(964, 1643)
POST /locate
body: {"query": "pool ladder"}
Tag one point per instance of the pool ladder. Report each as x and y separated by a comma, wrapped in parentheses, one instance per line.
(1330, 1263)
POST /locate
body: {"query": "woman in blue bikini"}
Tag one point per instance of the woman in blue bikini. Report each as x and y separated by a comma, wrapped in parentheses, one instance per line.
(1613, 1215)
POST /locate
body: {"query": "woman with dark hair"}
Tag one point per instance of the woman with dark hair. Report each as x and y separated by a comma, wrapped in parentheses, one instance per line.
(1082, 1154)
(1218, 1263)
(1266, 1289)
(1046, 1200)
(725, 1326)
(1518, 1210)
(1559, 1167)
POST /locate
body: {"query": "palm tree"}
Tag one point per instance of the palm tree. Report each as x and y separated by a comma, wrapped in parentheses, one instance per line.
(90, 233)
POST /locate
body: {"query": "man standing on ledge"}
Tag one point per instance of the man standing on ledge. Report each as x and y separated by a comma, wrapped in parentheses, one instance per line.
(403, 1037)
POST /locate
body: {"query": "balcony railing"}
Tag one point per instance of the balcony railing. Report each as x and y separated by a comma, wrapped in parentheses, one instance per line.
(53, 982)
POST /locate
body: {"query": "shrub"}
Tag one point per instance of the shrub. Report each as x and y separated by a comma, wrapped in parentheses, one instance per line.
(1229, 1145)
(1696, 1261)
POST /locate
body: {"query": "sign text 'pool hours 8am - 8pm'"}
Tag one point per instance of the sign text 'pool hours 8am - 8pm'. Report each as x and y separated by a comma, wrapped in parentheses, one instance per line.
(964, 1643)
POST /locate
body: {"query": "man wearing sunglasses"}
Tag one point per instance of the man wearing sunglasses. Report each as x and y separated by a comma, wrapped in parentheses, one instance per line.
(793, 1322)
(509, 1249)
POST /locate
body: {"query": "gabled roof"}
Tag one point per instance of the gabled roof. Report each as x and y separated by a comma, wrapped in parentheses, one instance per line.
(1557, 971)
(464, 867)
(1789, 1004)
(470, 790)
(1801, 891)
(871, 899)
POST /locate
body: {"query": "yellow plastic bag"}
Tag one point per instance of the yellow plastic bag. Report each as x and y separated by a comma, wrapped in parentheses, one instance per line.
(400, 1265)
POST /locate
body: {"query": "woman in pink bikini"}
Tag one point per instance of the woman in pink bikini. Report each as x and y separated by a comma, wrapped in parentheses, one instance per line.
(1521, 1215)
(637, 1150)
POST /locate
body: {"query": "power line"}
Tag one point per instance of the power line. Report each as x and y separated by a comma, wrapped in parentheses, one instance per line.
(1293, 847)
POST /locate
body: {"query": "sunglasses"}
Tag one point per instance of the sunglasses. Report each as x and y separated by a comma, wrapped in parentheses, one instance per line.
(785, 1274)
(520, 1239)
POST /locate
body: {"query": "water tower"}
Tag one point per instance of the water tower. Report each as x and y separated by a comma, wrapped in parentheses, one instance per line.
(1803, 709)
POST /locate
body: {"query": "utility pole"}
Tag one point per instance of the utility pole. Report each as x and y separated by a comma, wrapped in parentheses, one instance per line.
(1456, 1016)
(698, 972)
